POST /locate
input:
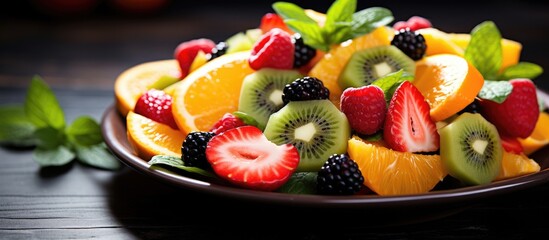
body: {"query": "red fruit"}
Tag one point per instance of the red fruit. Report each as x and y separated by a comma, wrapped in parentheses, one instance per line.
(245, 157)
(408, 125)
(274, 49)
(518, 114)
(273, 20)
(511, 144)
(417, 22)
(156, 105)
(400, 25)
(365, 108)
(228, 121)
(185, 52)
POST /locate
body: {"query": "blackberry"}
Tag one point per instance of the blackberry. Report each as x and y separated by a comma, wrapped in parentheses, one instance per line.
(193, 149)
(303, 53)
(410, 42)
(219, 49)
(473, 107)
(340, 175)
(305, 88)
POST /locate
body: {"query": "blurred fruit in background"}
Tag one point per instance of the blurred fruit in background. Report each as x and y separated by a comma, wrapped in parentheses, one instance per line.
(138, 7)
(78, 8)
(62, 8)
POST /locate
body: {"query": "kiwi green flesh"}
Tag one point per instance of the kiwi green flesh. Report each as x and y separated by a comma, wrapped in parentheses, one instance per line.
(316, 127)
(367, 65)
(261, 93)
(470, 149)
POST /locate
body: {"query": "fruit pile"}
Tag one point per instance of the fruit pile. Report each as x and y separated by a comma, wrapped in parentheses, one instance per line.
(339, 103)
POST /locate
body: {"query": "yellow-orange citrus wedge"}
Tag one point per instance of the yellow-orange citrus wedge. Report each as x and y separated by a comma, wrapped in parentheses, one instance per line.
(539, 137)
(514, 165)
(439, 42)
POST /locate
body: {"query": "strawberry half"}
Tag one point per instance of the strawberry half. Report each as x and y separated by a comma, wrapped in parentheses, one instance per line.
(245, 157)
(274, 49)
(408, 126)
(156, 105)
(185, 53)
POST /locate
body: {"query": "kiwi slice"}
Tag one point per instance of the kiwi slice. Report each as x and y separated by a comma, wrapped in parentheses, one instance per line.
(367, 65)
(261, 93)
(316, 127)
(470, 149)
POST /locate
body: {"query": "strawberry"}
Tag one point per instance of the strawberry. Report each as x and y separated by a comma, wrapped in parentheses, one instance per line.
(156, 105)
(185, 53)
(511, 144)
(408, 125)
(246, 158)
(518, 114)
(400, 25)
(273, 20)
(273, 49)
(417, 22)
(228, 121)
(365, 108)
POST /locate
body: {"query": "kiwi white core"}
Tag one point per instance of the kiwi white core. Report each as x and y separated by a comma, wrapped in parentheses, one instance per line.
(382, 69)
(276, 97)
(305, 132)
(480, 145)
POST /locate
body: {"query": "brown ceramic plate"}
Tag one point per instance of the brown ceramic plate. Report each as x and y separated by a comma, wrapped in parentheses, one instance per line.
(114, 130)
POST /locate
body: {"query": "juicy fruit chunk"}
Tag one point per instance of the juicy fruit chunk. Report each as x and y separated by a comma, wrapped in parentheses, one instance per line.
(273, 49)
(185, 53)
(514, 165)
(470, 149)
(389, 172)
(448, 82)
(365, 108)
(438, 42)
(243, 156)
(208, 93)
(149, 138)
(156, 105)
(539, 137)
(273, 20)
(518, 114)
(408, 126)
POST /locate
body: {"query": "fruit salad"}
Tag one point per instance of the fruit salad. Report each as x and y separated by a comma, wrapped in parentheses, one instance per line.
(345, 102)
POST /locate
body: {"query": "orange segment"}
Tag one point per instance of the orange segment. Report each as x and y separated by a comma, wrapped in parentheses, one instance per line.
(209, 92)
(333, 62)
(514, 165)
(149, 138)
(448, 82)
(134, 81)
(539, 137)
(439, 42)
(389, 172)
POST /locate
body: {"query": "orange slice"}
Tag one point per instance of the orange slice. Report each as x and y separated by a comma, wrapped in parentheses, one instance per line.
(209, 92)
(389, 172)
(332, 63)
(539, 137)
(514, 165)
(149, 138)
(135, 81)
(448, 82)
(439, 42)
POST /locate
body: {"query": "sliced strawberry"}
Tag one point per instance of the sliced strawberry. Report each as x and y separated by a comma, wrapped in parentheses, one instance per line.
(228, 121)
(185, 53)
(245, 157)
(408, 125)
(511, 144)
(156, 105)
(273, 20)
(518, 114)
(273, 49)
(365, 108)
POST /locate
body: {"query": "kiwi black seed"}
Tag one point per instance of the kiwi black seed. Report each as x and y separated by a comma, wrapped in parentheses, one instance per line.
(470, 149)
(261, 92)
(316, 127)
(367, 65)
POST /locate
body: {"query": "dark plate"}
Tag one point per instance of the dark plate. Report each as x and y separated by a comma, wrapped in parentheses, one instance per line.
(438, 202)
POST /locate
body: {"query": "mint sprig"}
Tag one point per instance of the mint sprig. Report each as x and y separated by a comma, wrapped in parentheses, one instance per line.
(521, 70)
(342, 22)
(484, 49)
(40, 123)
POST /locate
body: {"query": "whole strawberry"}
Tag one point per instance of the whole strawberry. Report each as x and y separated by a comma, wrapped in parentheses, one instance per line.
(365, 108)
(156, 105)
(274, 49)
(518, 114)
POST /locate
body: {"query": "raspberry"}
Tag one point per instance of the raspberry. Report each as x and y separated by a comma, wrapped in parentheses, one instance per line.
(156, 105)
(340, 175)
(410, 42)
(193, 149)
(305, 88)
(274, 49)
(228, 121)
(303, 53)
(417, 22)
(219, 49)
(365, 108)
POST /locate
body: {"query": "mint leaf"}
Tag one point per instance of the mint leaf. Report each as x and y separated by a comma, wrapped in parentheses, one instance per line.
(340, 32)
(373, 137)
(496, 91)
(41, 106)
(15, 128)
(484, 49)
(288, 11)
(178, 163)
(58, 156)
(310, 32)
(97, 156)
(367, 20)
(521, 70)
(300, 183)
(391, 81)
(84, 131)
(339, 16)
(49, 137)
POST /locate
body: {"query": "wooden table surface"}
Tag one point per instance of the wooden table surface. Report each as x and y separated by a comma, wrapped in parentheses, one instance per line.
(81, 56)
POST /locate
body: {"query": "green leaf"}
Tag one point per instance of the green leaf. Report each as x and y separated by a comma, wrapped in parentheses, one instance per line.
(41, 106)
(84, 131)
(484, 49)
(49, 137)
(366, 20)
(52, 157)
(300, 183)
(310, 32)
(340, 32)
(521, 70)
(178, 163)
(339, 13)
(97, 156)
(288, 10)
(391, 81)
(496, 91)
(373, 137)
(15, 128)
